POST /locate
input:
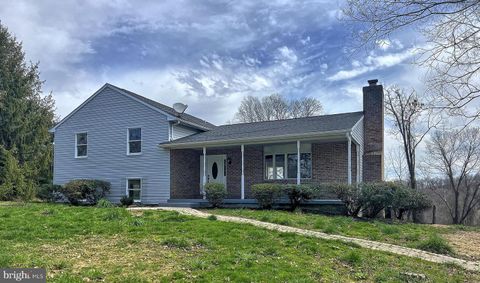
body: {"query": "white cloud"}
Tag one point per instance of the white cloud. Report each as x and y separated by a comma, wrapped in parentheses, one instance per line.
(373, 63)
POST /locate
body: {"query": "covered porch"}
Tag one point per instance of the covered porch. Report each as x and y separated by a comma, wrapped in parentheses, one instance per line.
(324, 158)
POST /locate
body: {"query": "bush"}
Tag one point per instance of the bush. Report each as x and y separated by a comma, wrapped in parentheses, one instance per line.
(50, 192)
(376, 196)
(104, 203)
(350, 195)
(215, 193)
(126, 200)
(85, 191)
(406, 199)
(298, 194)
(435, 244)
(266, 194)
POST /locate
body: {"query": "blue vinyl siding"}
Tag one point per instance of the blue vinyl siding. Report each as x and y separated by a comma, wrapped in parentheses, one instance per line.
(106, 119)
(180, 131)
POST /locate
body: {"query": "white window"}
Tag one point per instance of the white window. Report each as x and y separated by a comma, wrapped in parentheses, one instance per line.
(81, 145)
(134, 188)
(281, 162)
(134, 141)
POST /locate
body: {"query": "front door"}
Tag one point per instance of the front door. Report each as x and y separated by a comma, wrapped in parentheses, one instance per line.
(216, 169)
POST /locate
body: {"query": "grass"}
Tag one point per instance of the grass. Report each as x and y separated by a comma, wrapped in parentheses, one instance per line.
(426, 237)
(77, 244)
(435, 244)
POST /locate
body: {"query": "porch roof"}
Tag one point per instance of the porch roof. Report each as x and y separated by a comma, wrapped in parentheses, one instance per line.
(325, 125)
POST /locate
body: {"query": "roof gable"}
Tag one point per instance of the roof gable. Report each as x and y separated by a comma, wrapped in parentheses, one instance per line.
(163, 109)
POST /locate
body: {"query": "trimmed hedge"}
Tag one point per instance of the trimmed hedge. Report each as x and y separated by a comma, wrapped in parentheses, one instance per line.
(85, 191)
(366, 198)
(350, 195)
(372, 198)
(298, 194)
(215, 193)
(266, 194)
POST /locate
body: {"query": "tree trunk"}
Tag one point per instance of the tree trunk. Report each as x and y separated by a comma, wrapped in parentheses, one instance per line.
(457, 198)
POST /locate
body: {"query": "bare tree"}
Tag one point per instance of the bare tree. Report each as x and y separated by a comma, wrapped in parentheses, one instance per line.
(453, 161)
(250, 110)
(397, 165)
(276, 107)
(452, 50)
(412, 121)
(305, 107)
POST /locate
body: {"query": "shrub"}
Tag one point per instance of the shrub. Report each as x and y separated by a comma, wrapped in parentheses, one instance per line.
(406, 199)
(266, 194)
(126, 200)
(298, 194)
(350, 195)
(85, 191)
(371, 198)
(435, 244)
(104, 203)
(376, 196)
(50, 192)
(215, 193)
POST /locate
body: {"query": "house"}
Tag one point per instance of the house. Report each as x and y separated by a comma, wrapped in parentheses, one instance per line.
(155, 154)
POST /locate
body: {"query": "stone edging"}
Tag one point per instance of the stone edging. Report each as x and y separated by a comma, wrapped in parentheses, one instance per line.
(428, 256)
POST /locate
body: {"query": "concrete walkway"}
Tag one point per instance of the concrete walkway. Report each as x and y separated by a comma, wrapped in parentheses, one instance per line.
(469, 265)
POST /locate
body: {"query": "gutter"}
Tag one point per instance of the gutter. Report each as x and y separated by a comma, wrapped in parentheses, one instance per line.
(194, 125)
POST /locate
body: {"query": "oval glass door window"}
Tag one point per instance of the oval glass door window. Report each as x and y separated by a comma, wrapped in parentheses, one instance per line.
(214, 170)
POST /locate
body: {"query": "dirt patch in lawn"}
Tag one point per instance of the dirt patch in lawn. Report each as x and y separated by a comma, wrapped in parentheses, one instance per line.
(105, 258)
(465, 243)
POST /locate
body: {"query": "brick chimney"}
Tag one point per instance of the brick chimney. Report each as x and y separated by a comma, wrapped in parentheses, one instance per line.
(373, 112)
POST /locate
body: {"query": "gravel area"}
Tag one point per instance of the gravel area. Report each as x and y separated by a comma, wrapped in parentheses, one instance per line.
(466, 243)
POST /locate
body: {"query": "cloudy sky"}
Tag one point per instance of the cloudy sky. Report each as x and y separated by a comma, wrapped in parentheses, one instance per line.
(207, 54)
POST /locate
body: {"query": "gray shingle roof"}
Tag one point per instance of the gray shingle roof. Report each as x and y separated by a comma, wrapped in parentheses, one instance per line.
(184, 116)
(316, 124)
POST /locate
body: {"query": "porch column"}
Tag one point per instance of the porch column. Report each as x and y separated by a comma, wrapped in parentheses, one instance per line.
(357, 149)
(243, 174)
(204, 170)
(298, 162)
(349, 156)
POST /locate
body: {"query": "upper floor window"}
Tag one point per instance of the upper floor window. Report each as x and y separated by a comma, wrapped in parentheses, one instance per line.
(81, 145)
(134, 141)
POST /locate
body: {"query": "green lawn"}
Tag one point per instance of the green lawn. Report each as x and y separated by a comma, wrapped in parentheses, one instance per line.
(113, 245)
(405, 234)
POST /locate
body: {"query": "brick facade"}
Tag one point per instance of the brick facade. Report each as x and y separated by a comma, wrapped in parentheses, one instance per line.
(373, 128)
(329, 164)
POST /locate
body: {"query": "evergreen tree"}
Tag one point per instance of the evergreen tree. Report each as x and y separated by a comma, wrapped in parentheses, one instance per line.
(25, 113)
